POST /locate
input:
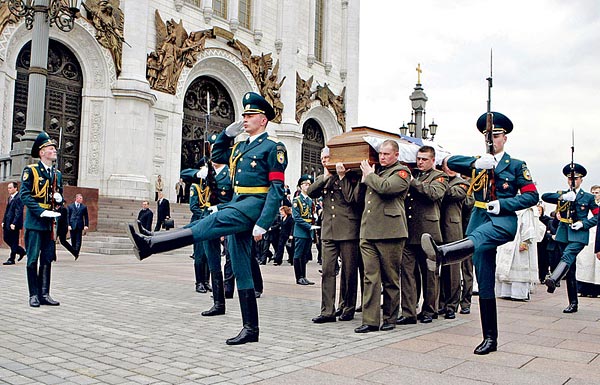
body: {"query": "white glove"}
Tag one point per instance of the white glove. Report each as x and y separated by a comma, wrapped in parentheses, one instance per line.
(486, 162)
(569, 197)
(577, 225)
(213, 209)
(257, 230)
(203, 173)
(234, 129)
(57, 197)
(313, 227)
(49, 214)
(493, 207)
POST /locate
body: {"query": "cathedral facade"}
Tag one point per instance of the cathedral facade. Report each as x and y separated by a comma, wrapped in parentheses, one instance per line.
(135, 88)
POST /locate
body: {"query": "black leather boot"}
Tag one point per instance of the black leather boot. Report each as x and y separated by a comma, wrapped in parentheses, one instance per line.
(298, 271)
(306, 281)
(142, 230)
(45, 299)
(448, 254)
(572, 294)
(489, 326)
(198, 273)
(144, 246)
(249, 309)
(32, 283)
(218, 296)
(559, 272)
(206, 276)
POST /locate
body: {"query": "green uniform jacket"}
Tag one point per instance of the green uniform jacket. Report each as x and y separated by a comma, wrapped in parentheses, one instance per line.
(383, 216)
(452, 208)
(584, 202)
(341, 206)
(37, 188)
(423, 205)
(302, 212)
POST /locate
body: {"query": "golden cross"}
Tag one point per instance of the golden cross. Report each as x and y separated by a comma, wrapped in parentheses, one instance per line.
(419, 71)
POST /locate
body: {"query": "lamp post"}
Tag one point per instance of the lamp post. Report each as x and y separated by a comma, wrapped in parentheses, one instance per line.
(39, 16)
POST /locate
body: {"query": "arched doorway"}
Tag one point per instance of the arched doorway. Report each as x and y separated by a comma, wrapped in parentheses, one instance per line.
(222, 114)
(62, 106)
(311, 148)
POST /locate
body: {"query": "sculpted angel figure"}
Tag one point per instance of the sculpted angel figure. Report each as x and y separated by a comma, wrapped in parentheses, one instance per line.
(270, 91)
(303, 95)
(107, 17)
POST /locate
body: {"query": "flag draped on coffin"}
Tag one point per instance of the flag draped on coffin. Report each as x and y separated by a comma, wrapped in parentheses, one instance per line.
(408, 151)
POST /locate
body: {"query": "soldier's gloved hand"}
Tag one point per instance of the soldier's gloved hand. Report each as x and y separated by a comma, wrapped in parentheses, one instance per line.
(213, 209)
(486, 162)
(257, 230)
(49, 214)
(569, 197)
(234, 129)
(577, 225)
(313, 227)
(57, 197)
(493, 207)
(203, 173)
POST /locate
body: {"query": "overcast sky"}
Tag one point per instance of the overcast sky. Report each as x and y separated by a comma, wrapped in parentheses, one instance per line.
(546, 75)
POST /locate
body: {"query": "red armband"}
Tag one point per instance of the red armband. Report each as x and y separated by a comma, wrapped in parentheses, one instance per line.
(595, 211)
(528, 188)
(276, 176)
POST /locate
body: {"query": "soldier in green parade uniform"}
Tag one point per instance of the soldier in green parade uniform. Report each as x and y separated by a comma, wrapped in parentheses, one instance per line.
(41, 188)
(493, 221)
(213, 187)
(573, 233)
(302, 212)
(257, 167)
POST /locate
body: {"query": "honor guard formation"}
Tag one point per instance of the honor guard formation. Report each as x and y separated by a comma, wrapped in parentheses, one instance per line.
(404, 233)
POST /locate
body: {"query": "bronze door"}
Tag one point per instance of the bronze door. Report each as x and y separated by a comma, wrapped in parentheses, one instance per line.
(62, 112)
(311, 148)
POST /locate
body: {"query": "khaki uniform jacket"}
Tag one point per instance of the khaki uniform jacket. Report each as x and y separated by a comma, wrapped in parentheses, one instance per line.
(383, 216)
(423, 205)
(341, 206)
(452, 208)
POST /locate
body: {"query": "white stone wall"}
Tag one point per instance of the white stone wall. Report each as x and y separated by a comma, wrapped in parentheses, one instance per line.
(130, 134)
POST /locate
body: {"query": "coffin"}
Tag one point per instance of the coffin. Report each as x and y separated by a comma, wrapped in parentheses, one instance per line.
(350, 148)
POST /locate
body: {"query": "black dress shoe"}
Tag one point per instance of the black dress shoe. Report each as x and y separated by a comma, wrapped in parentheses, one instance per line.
(200, 288)
(450, 314)
(366, 329)
(426, 319)
(406, 321)
(20, 257)
(302, 281)
(346, 317)
(321, 319)
(387, 326)
(9, 262)
(572, 308)
(488, 345)
(465, 310)
(358, 309)
(421, 315)
(308, 282)
(47, 300)
(338, 312)
(34, 301)
(257, 294)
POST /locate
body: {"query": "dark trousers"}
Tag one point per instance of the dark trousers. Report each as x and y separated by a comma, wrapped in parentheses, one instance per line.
(350, 253)
(466, 293)
(11, 238)
(76, 237)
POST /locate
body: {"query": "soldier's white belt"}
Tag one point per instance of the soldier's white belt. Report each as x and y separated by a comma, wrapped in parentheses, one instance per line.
(250, 190)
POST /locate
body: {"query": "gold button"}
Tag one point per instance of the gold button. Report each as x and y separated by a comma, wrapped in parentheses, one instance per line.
(333, 216)
(410, 216)
(332, 207)
(239, 170)
(369, 202)
(241, 159)
(368, 211)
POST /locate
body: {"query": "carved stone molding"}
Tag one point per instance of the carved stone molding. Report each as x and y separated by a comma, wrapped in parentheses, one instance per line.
(96, 137)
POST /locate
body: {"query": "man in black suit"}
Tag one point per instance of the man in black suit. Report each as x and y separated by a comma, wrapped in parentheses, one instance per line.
(145, 216)
(12, 223)
(79, 221)
(163, 211)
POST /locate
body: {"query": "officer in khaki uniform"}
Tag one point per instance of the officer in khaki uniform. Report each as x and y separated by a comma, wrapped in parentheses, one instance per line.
(41, 188)
(339, 231)
(423, 204)
(383, 233)
(452, 230)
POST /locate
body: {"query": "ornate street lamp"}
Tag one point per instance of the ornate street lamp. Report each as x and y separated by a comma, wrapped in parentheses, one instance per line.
(39, 16)
(403, 129)
(433, 129)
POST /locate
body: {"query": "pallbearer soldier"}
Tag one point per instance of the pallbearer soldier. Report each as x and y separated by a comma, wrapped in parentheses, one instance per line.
(493, 221)
(257, 167)
(339, 232)
(41, 188)
(573, 233)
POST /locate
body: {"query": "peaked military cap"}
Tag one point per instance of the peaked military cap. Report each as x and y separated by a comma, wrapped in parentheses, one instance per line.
(212, 138)
(304, 178)
(256, 104)
(42, 140)
(579, 170)
(502, 124)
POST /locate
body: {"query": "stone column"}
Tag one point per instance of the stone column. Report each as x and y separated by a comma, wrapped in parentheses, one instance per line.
(310, 58)
(233, 14)
(327, 42)
(257, 19)
(207, 11)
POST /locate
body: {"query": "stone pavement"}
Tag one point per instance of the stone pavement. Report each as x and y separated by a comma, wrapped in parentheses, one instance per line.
(122, 321)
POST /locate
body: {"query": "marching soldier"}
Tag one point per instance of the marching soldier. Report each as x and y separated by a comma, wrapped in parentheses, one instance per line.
(41, 188)
(302, 212)
(572, 235)
(257, 172)
(493, 221)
